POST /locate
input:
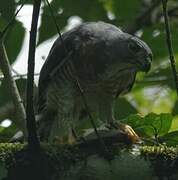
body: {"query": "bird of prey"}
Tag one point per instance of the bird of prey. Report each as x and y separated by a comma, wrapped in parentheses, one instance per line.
(96, 58)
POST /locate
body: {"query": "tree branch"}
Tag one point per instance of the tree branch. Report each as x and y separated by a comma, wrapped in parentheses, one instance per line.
(18, 76)
(31, 124)
(6, 69)
(169, 44)
(57, 27)
(18, 103)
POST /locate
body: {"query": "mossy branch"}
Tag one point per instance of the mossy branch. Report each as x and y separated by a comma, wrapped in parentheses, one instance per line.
(70, 162)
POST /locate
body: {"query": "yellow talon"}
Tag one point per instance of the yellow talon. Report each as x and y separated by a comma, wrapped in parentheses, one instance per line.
(130, 132)
(126, 129)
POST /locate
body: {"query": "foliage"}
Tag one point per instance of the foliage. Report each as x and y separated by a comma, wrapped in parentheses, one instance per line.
(154, 127)
(153, 96)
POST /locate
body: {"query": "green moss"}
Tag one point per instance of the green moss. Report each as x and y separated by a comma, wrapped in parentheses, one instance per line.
(68, 162)
(161, 150)
(164, 160)
(7, 150)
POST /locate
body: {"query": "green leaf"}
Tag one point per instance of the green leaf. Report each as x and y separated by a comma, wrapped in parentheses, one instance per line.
(150, 125)
(1, 129)
(14, 40)
(175, 108)
(7, 9)
(134, 120)
(170, 139)
(88, 10)
(157, 124)
(27, 2)
(3, 24)
(7, 133)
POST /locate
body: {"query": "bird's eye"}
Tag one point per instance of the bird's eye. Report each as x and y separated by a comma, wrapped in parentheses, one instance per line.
(134, 47)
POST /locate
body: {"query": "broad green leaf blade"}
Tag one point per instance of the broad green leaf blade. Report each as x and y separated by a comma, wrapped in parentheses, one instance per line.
(170, 139)
(157, 125)
(3, 23)
(7, 9)
(134, 120)
(14, 40)
(7, 133)
(165, 121)
(175, 108)
(150, 125)
(27, 2)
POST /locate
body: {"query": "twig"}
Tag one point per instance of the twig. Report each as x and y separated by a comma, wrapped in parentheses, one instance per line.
(18, 103)
(169, 44)
(90, 116)
(57, 27)
(6, 69)
(33, 141)
(18, 76)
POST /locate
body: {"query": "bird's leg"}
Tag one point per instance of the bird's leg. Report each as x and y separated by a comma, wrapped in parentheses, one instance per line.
(106, 114)
(76, 137)
(74, 134)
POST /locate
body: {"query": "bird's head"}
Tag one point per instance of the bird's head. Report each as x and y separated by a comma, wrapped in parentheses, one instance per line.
(140, 53)
(128, 51)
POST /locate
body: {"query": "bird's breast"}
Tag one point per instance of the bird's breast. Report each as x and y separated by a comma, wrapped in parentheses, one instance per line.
(119, 82)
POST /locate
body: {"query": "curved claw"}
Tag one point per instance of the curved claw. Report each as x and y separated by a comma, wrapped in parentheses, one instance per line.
(126, 129)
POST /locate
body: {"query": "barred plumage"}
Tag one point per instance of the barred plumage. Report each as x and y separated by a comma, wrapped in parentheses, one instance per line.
(103, 59)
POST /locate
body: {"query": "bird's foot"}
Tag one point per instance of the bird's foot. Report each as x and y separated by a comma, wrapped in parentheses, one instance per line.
(126, 129)
(78, 139)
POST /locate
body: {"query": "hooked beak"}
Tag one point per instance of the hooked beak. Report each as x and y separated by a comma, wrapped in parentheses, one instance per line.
(145, 65)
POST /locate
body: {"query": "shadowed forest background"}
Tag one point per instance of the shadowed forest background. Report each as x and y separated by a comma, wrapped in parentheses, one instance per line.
(151, 107)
